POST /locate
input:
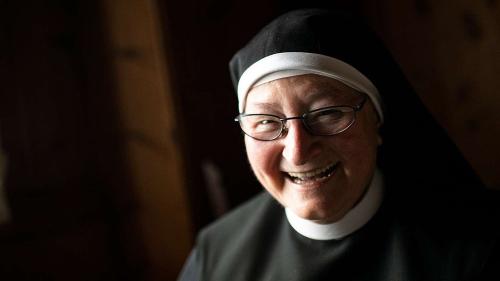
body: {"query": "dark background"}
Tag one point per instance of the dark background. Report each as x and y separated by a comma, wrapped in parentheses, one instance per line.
(75, 185)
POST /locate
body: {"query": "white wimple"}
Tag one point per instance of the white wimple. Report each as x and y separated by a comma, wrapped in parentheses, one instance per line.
(288, 64)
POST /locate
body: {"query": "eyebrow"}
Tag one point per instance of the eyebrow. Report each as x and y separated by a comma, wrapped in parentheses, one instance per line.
(322, 91)
(333, 93)
(264, 106)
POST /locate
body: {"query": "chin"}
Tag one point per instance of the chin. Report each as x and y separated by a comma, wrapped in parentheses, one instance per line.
(317, 214)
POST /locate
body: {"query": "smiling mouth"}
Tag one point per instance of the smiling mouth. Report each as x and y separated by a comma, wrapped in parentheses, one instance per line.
(313, 176)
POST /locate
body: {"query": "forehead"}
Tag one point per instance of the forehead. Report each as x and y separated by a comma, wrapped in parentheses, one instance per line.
(307, 88)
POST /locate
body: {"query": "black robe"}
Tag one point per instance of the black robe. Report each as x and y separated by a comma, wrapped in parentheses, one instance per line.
(256, 242)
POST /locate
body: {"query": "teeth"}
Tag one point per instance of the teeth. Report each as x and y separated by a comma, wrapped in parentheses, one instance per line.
(310, 174)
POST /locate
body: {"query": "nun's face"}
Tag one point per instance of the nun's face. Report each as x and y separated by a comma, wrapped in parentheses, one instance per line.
(349, 156)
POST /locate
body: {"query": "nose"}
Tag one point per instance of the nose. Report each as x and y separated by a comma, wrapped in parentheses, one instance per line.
(299, 145)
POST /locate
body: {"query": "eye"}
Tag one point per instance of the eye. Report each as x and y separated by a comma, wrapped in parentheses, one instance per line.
(326, 115)
(265, 123)
(268, 124)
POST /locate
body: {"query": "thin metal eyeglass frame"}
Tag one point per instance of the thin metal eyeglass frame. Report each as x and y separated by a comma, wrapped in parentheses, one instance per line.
(303, 117)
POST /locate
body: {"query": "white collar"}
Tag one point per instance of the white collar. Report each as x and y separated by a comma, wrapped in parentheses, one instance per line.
(352, 221)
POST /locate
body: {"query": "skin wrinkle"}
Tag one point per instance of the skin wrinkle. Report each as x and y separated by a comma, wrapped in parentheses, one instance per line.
(354, 150)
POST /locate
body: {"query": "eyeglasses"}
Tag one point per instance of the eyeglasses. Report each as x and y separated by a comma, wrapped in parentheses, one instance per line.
(326, 121)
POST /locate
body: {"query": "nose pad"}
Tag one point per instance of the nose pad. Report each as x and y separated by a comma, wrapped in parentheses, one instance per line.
(284, 130)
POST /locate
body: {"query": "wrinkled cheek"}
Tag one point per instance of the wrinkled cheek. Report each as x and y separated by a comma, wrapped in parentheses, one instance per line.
(268, 174)
(359, 164)
(265, 164)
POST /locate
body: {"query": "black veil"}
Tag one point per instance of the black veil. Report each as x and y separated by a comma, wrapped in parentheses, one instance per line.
(426, 175)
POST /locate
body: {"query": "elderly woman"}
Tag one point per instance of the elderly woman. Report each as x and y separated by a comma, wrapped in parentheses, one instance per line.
(361, 182)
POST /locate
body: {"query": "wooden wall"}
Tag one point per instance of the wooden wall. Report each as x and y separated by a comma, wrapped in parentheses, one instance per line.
(450, 52)
(95, 176)
(58, 130)
(150, 135)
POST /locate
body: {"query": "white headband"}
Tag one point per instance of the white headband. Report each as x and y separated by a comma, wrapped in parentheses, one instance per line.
(282, 65)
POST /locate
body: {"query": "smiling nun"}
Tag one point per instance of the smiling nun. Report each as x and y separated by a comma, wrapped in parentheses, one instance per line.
(360, 181)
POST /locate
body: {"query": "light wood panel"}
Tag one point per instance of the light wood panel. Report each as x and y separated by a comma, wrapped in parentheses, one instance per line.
(148, 121)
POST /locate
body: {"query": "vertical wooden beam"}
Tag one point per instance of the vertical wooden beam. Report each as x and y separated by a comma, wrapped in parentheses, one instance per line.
(145, 101)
